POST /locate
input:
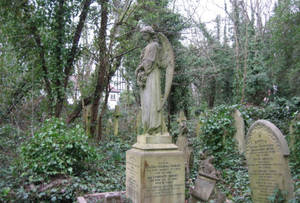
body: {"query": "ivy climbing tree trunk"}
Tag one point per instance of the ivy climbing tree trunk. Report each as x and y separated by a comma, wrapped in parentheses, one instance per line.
(71, 58)
(101, 73)
(45, 43)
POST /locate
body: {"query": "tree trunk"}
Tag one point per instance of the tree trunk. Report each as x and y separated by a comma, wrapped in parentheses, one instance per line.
(212, 94)
(58, 52)
(71, 57)
(245, 64)
(102, 69)
(237, 51)
(104, 107)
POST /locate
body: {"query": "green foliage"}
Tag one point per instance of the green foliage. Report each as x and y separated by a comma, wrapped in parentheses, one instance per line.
(216, 136)
(294, 141)
(56, 150)
(284, 47)
(278, 196)
(217, 128)
(41, 34)
(100, 169)
(279, 111)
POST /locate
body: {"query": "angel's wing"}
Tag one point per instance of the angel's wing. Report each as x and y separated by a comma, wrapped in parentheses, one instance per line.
(167, 61)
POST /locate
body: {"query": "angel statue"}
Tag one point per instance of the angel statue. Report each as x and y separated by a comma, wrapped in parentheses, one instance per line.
(156, 56)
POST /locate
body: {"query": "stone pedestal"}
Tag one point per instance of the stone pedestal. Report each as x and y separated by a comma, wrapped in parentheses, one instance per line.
(155, 171)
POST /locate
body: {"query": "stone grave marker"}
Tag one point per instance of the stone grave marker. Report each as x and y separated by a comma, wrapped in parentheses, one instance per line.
(116, 120)
(183, 144)
(205, 184)
(266, 153)
(239, 125)
(108, 126)
(204, 187)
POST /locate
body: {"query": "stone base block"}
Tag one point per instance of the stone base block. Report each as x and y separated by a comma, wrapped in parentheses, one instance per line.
(154, 142)
(155, 176)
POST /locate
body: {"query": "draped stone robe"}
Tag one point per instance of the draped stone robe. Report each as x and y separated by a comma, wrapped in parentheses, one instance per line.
(150, 91)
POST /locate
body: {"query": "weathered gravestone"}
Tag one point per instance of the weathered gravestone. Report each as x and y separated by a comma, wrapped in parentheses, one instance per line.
(197, 128)
(205, 184)
(266, 153)
(240, 130)
(183, 144)
(155, 166)
(108, 126)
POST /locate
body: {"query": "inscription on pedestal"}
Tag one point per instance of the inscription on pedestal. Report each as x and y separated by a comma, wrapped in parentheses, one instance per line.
(132, 174)
(155, 176)
(267, 166)
(163, 178)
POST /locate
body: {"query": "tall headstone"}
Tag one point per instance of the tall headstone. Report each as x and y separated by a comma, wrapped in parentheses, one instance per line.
(183, 144)
(108, 126)
(198, 127)
(154, 165)
(239, 125)
(199, 123)
(267, 158)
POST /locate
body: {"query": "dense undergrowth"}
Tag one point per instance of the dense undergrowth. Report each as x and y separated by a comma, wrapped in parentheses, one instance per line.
(216, 137)
(59, 162)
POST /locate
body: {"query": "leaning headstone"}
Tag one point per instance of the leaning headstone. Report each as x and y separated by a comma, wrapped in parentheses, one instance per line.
(239, 125)
(205, 184)
(116, 120)
(266, 153)
(182, 142)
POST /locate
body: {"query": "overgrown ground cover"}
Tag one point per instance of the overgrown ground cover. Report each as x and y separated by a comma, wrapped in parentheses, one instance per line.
(60, 162)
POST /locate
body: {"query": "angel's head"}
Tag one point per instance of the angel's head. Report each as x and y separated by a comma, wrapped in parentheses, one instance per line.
(147, 32)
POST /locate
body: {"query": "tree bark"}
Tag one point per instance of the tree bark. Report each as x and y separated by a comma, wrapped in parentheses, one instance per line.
(60, 24)
(237, 50)
(212, 94)
(86, 101)
(102, 69)
(71, 56)
(104, 107)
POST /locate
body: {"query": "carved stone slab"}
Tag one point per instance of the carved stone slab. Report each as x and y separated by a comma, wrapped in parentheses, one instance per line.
(204, 187)
(155, 176)
(239, 125)
(266, 153)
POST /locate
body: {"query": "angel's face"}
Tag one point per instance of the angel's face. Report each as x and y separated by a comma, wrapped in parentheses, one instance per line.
(146, 36)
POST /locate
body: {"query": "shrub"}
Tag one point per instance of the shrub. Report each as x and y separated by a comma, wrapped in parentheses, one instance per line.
(294, 141)
(56, 150)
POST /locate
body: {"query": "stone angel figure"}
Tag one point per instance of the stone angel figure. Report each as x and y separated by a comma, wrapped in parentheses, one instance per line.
(157, 56)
